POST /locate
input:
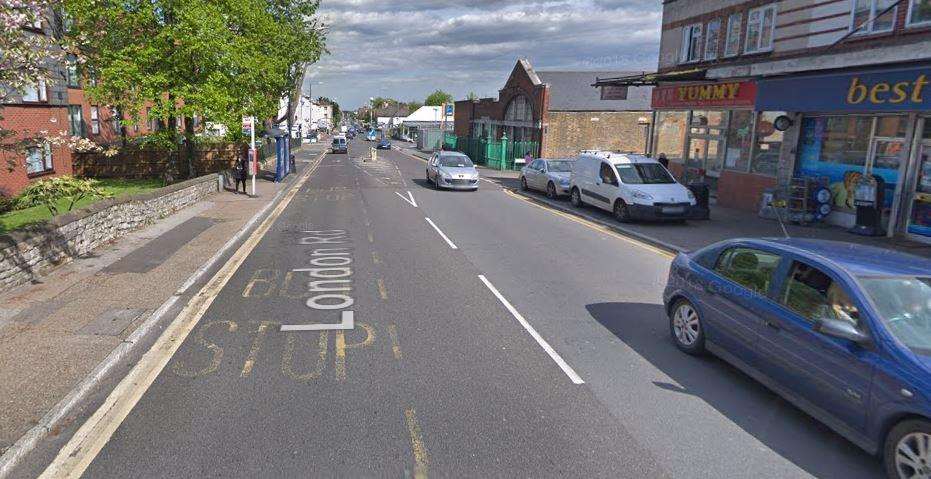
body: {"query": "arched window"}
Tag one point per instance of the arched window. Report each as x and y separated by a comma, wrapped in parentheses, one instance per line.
(519, 110)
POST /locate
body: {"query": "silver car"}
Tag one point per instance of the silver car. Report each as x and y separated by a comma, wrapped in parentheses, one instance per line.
(551, 176)
(453, 170)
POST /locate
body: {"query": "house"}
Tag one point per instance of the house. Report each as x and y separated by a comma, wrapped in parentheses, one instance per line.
(560, 112)
(751, 93)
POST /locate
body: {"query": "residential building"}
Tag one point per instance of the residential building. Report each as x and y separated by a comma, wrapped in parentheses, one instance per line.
(751, 93)
(560, 112)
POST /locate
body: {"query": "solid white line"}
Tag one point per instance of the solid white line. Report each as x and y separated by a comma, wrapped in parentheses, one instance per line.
(542, 342)
(448, 241)
(347, 322)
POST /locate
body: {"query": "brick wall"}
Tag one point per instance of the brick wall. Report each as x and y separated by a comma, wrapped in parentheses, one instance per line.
(569, 132)
(26, 254)
(742, 190)
(28, 121)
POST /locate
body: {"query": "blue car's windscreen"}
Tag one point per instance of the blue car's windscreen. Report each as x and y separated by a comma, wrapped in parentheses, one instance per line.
(904, 303)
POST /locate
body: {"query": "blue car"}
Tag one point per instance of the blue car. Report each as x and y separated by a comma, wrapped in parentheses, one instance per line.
(384, 144)
(842, 331)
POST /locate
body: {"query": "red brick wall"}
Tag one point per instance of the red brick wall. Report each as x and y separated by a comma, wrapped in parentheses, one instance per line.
(29, 121)
(107, 134)
(742, 190)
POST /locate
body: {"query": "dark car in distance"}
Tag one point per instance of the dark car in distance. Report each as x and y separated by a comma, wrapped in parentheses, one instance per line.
(842, 331)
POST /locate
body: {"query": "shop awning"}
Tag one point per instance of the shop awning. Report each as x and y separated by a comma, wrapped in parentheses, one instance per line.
(650, 79)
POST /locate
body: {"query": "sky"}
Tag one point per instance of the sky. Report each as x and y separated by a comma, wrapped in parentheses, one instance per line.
(405, 49)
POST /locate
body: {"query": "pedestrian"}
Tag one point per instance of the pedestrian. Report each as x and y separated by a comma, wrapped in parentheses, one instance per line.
(240, 172)
(528, 158)
(663, 160)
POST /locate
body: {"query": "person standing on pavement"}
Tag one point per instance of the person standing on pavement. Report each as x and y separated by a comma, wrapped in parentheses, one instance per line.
(241, 172)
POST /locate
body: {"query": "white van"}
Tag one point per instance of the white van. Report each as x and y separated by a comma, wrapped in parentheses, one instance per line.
(631, 186)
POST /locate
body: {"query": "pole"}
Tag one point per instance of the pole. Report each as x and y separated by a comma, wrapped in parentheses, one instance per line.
(255, 157)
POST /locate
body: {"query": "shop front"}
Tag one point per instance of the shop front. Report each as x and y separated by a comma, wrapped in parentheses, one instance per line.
(711, 132)
(864, 124)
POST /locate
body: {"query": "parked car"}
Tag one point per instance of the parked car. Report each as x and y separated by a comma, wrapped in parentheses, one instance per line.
(842, 331)
(631, 186)
(453, 170)
(551, 176)
(383, 144)
(339, 145)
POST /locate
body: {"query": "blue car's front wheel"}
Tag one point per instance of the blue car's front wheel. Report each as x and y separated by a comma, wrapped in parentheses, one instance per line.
(685, 326)
(907, 452)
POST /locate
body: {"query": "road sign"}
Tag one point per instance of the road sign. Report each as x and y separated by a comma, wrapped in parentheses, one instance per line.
(449, 109)
(246, 125)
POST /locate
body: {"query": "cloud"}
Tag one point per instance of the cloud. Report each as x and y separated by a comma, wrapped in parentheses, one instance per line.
(407, 48)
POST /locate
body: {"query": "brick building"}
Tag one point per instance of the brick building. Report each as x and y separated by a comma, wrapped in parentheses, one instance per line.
(54, 107)
(750, 93)
(560, 111)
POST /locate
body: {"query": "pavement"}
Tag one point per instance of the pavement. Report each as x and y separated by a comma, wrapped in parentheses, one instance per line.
(56, 333)
(725, 223)
(372, 326)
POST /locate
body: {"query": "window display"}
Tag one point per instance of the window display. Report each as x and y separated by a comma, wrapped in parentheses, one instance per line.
(739, 137)
(768, 144)
(669, 134)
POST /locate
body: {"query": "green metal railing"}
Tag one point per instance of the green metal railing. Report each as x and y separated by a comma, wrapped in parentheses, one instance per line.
(499, 155)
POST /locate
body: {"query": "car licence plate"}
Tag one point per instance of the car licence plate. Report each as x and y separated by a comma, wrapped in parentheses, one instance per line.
(673, 210)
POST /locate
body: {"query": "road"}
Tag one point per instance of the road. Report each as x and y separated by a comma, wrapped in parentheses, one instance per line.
(491, 337)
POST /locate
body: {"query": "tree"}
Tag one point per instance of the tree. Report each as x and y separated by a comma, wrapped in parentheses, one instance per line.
(414, 105)
(438, 98)
(472, 96)
(217, 59)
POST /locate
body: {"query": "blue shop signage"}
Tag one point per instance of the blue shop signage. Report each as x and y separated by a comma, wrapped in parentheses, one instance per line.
(902, 89)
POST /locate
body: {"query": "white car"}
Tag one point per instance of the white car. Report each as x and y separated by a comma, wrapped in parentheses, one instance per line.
(631, 186)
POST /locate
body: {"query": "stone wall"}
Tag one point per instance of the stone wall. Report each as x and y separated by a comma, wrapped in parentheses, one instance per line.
(28, 253)
(567, 132)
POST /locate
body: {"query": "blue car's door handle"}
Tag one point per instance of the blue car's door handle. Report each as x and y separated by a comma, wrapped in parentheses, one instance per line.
(772, 325)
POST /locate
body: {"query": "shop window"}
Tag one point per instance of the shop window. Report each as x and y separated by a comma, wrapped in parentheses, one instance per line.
(835, 147)
(75, 120)
(732, 43)
(760, 24)
(712, 37)
(873, 16)
(919, 12)
(768, 144)
(739, 141)
(39, 159)
(669, 134)
(891, 126)
(691, 43)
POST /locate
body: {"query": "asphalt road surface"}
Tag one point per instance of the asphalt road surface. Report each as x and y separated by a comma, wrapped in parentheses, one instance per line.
(491, 337)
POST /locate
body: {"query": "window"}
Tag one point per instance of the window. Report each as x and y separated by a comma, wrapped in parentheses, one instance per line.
(760, 23)
(732, 43)
(75, 120)
(152, 121)
(868, 16)
(669, 134)
(36, 93)
(919, 12)
(904, 306)
(115, 120)
(607, 174)
(95, 120)
(71, 71)
(739, 140)
(643, 174)
(750, 268)
(768, 144)
(814, 295)
(39, 159)
(712, 37)
(691, 43)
